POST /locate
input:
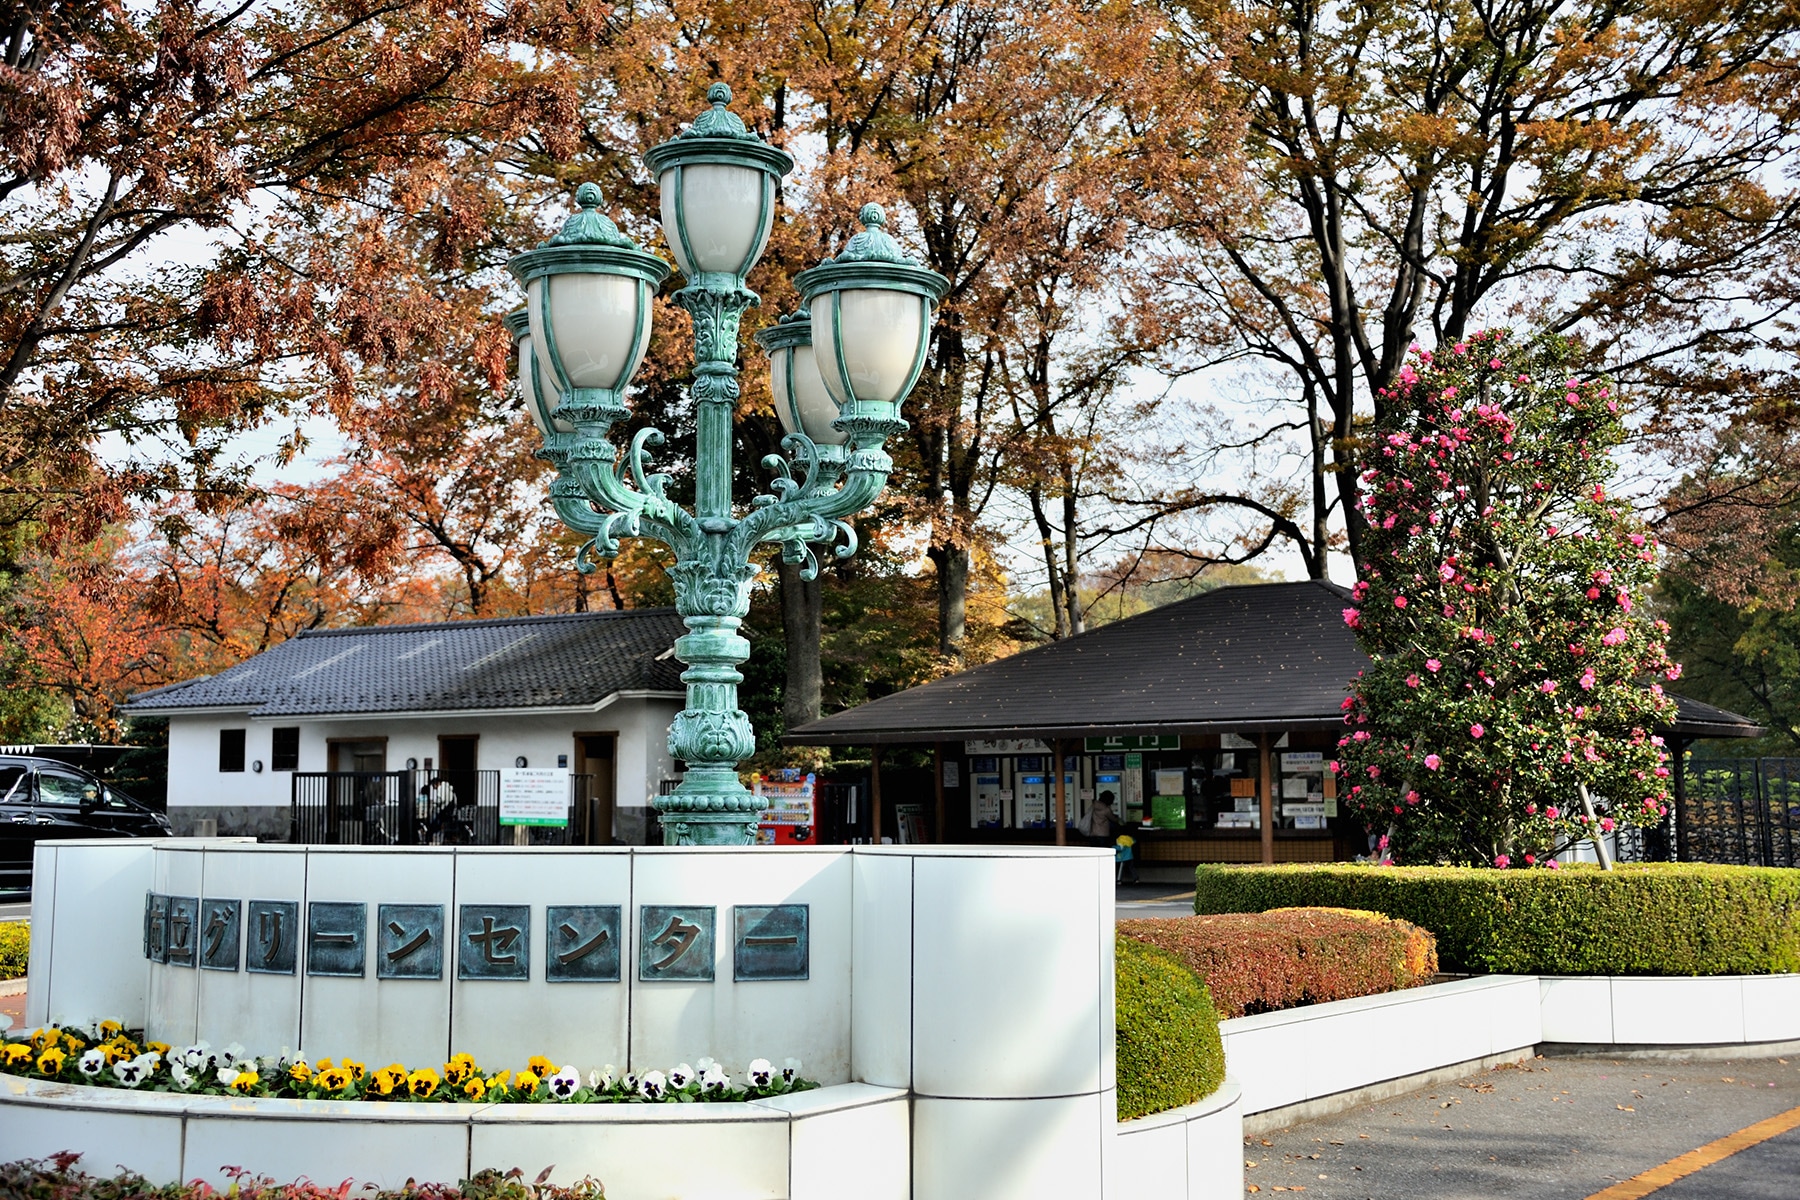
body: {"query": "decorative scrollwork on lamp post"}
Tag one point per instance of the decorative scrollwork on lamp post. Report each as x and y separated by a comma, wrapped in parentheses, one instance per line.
(841, 369)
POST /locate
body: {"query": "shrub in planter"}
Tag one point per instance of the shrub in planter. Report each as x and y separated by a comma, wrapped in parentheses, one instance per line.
(15, 948)
(1169, 1053)
(1640, 919)
(1261, 962)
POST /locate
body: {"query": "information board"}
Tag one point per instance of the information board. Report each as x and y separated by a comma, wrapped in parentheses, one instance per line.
(534, 796)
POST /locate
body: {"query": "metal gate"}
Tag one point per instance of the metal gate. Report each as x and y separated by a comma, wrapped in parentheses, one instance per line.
(1741, 810)
(415, 808)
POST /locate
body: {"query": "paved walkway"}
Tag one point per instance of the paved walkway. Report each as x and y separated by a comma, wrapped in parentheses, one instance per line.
(1134, 900)
(1574, 1128)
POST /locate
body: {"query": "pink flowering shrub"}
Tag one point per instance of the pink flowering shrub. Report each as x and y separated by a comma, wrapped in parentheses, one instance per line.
(1521, 664)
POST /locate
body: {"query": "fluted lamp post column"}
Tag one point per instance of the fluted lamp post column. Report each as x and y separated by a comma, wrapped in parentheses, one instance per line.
(588, 311)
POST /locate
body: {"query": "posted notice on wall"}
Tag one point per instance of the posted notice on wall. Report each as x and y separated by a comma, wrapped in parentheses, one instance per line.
(534, 796)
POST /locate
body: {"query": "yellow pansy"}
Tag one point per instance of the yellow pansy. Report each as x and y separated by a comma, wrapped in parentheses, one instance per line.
(335, 1079)
(161, 1048)
(474, 1088)
(108, 1028)
(526, 1082)
(356, 1069)
(44, 1039)
(384, 1081)
(15, 1053)
(299, 1072)
(422, 1082)
(246, 1080)
(50, 1061)
(540, 1066)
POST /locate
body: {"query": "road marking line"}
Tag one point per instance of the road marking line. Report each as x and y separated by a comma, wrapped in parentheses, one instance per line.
(1684, 1165)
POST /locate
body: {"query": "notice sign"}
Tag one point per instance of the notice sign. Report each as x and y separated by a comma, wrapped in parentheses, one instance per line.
(534, 796)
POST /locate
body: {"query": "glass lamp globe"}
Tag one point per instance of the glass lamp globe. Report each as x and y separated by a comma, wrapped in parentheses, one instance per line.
(539, 396)
(871, 317)
(588, 296)
(802, 403)
(717, 180)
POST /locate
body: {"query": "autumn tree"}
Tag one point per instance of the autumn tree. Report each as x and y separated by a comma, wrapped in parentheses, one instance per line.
(1514, 694)
(1422, 168)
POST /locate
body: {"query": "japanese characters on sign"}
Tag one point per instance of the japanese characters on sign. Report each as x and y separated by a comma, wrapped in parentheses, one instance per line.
(581, 943)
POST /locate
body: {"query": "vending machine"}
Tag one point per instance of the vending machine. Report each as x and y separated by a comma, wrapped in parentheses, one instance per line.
(985, 793)
(1034, 795)
(790, 815)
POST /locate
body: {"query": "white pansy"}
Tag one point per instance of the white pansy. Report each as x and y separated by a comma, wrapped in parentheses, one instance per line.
(760, 1072)
(564, 1083)
(232, 1054)
(714, 1079)
(180, 1076)
(790, 1069)
(92, 1063)
(631, 1081)
(654, 1085)
(704, 1063)
(131, 1072)
(680, 1076)
(227, 1076)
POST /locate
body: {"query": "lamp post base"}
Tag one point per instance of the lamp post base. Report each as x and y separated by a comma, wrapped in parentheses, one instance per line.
(692, 820)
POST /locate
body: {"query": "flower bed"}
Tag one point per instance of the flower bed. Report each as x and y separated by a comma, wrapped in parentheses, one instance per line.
(1265, 962)
(59, 1177)
(108, 1056)
(1640, 919)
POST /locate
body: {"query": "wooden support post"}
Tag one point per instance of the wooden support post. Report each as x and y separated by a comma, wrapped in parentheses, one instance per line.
(875, 794)
(1266, 790)
(937, 771)
(1062, 797)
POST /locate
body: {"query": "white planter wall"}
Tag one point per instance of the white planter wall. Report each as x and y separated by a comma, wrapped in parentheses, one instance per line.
(850, 1140)
(1191, 1153)
(1302, 1054)
(1718, 1010)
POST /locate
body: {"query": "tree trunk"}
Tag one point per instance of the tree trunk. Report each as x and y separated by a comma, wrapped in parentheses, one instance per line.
(952, 563)
(800, 605)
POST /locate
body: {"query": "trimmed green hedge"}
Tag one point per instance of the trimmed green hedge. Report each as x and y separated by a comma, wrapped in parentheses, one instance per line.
(15, 948)
(1263, 962)
(1169, 1053)
(1640, 919)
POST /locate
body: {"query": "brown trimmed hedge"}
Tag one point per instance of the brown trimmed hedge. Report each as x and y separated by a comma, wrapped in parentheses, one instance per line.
(1640, 919)
(1261, 962)
(1167, 1032)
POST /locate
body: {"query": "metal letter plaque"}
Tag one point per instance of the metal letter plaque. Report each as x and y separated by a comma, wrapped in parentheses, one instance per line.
(274, 938)
(771, 942)
(219, 934)
(493, 941)
(336, 938)
(184, 916)
(409, 941)
(581, 943)
(156, 928)
(675, 941)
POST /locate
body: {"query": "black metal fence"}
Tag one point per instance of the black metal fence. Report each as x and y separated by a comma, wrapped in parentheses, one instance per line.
(1741, 810)
(418, 808)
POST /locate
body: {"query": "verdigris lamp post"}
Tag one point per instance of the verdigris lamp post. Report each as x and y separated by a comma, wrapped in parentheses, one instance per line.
(588, 309)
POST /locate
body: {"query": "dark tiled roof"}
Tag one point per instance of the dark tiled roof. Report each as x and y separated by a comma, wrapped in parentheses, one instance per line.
(525, 662)
(1261, 656)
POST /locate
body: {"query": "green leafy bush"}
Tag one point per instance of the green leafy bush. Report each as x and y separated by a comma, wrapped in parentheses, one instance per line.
(1641, 919)
(1169, 1053)
(15, 948)
(1261, 962)
(56, 1178)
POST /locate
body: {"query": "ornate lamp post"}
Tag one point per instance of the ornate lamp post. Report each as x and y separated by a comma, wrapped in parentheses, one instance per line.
(588, 292)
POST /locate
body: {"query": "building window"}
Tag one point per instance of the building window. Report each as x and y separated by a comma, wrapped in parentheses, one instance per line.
(231, 749)
(284, 755)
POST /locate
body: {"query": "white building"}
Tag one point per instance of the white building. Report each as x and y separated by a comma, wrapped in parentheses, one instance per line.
(592, 693)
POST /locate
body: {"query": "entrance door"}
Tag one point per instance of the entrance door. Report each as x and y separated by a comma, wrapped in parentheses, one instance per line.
(356, 809)
(594, 762)
(457, 758)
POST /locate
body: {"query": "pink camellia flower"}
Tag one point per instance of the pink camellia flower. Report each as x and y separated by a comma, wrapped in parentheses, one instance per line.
(1674, 672)
(1553, 865)
(1593, 593)
(1531, 809)
(1399, 601)
(1553, 812)
(1433, 762)
(1548, 687)
(1446, 572)
(1412, 797)
(1353, 618)
(1412, 681)
(1502, 861)
(1606, 824)
(1587, 680)
(1432, 664)
(1614, 636)
(1624, 600)
(1531, 860)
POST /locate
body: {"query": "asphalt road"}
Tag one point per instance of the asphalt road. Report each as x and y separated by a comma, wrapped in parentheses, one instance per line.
(1551, 1129)
(15, 912)
(1134, 900)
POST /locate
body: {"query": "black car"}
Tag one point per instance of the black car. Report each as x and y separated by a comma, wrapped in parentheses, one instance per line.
(41, 798)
